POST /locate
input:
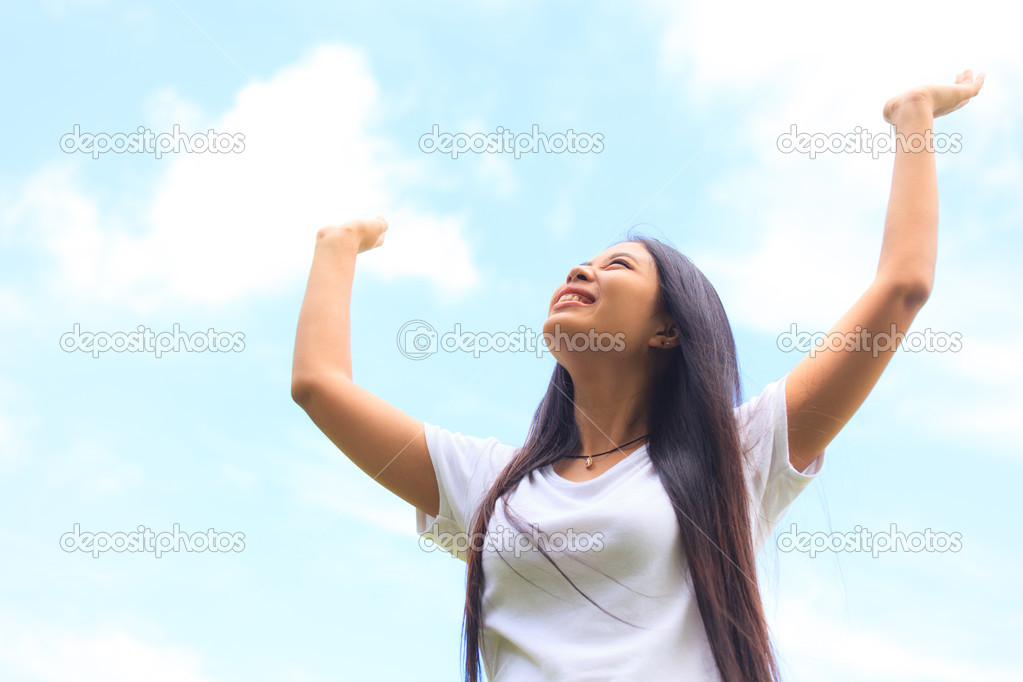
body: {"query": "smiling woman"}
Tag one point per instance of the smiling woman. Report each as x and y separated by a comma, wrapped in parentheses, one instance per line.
(619, 541)
(671, 592)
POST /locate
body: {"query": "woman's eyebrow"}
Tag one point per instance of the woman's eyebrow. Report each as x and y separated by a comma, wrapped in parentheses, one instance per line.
(614, 255)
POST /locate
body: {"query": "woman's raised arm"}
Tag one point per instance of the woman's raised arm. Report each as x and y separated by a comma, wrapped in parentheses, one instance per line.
(380, 439)
(827, 387)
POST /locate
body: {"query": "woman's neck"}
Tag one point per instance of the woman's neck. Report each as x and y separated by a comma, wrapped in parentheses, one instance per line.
(611, 409)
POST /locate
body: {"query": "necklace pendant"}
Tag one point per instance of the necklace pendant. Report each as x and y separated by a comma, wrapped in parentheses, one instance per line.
(589, 462)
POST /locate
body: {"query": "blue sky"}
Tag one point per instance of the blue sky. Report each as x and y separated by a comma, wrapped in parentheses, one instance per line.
(332, 101)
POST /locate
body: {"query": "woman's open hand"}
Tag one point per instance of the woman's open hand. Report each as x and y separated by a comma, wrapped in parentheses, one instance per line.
(940, 99)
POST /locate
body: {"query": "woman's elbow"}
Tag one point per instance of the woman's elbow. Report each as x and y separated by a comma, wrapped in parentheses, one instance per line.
(912, 292)
(301, 389)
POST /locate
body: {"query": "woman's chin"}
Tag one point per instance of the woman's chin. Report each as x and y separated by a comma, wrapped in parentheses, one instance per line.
(560, 325)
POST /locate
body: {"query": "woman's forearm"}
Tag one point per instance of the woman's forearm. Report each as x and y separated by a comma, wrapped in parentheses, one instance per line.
(323, 338)
(909, 248)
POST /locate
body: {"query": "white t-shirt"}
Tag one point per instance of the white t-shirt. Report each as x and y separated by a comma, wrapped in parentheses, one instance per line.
(536, 626)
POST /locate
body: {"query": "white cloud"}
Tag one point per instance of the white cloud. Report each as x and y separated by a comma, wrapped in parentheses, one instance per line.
(806, 265)
(833, 48)
(819, 639)
(51, 653)
(818, 647)
(433, 248)
(221, 227)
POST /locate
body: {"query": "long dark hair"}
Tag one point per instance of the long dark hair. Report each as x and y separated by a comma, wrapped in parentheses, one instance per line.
(695, 447)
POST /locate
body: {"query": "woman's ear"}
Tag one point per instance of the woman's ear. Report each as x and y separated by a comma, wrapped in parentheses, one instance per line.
(666, 337)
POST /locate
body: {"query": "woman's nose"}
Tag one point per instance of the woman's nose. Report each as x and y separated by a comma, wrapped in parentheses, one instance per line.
(578, 271)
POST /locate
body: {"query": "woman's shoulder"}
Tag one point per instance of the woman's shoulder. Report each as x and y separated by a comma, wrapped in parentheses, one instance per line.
(489, 451)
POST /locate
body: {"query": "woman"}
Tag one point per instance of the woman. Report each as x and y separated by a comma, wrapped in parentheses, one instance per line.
(644, 490)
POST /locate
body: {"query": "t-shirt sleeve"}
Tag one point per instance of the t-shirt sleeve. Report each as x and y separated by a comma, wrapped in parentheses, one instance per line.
(772, 480)
(466, 469)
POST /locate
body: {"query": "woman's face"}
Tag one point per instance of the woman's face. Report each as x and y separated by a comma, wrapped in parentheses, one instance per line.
(617, 291)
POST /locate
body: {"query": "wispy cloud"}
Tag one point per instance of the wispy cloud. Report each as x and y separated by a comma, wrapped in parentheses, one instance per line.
(44, 652)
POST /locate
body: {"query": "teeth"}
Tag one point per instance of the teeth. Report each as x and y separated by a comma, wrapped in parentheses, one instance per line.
(570, 297)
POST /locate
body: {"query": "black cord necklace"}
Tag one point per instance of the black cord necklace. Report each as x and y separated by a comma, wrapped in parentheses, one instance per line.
(589, 458)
